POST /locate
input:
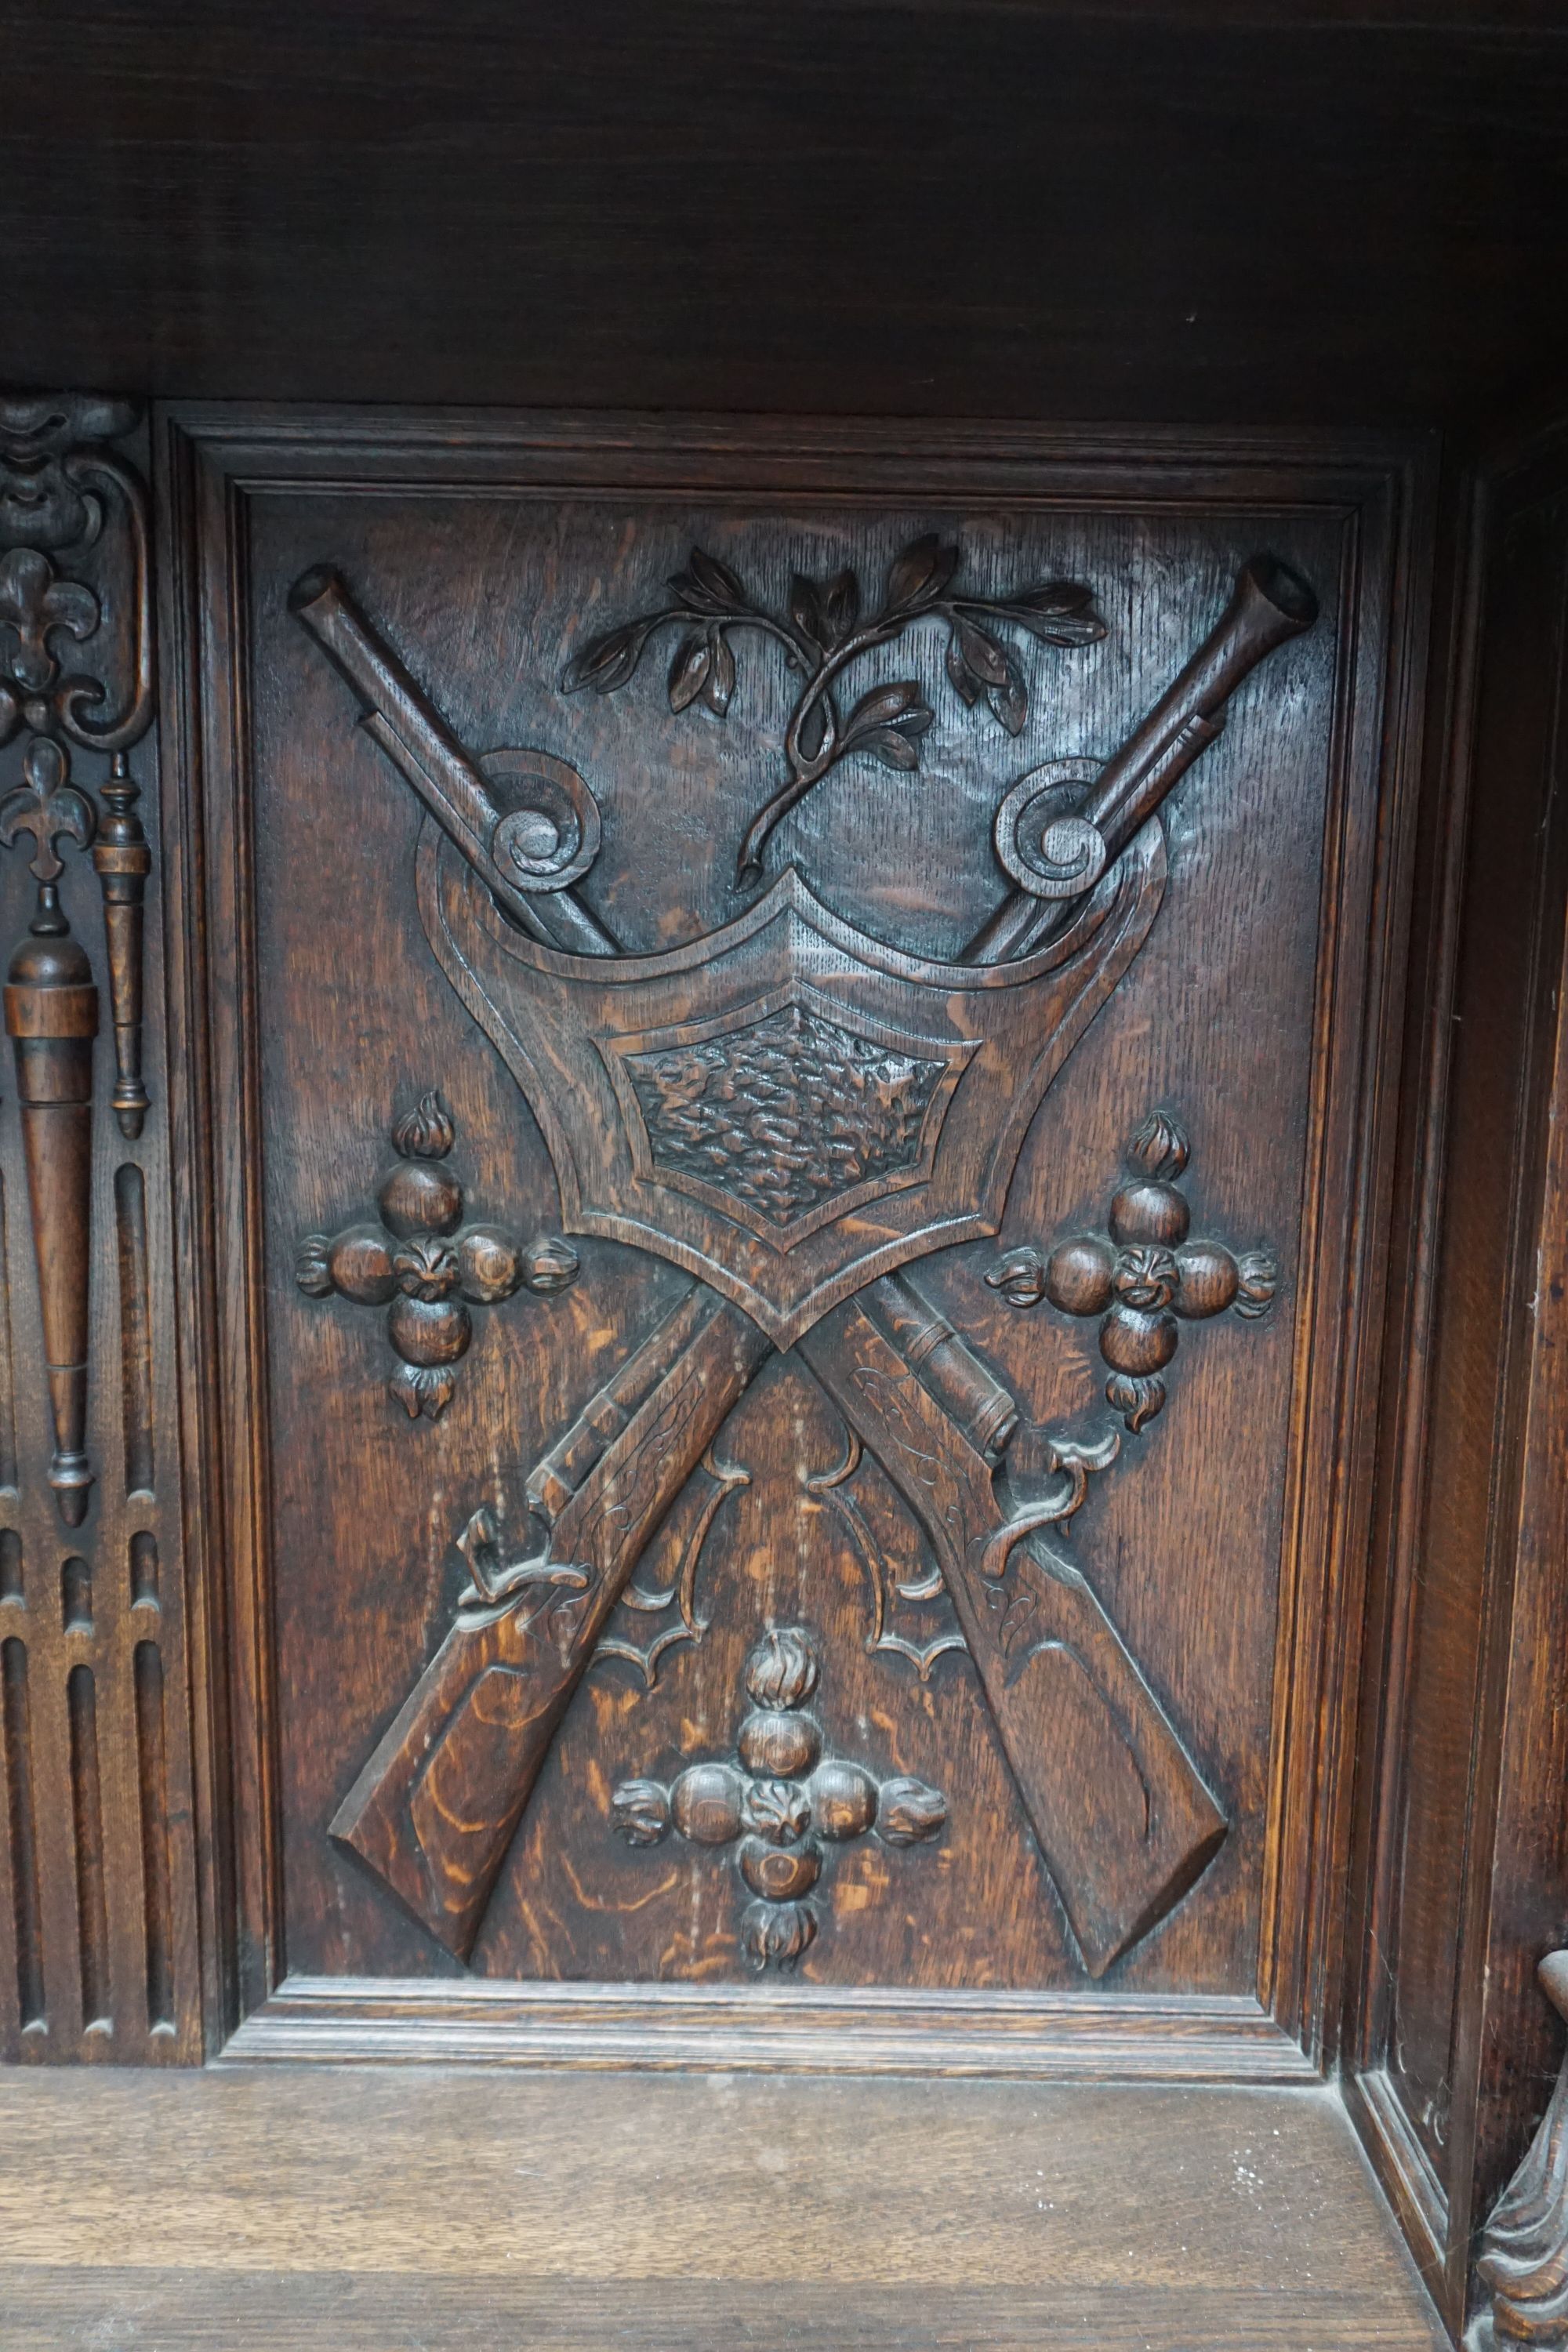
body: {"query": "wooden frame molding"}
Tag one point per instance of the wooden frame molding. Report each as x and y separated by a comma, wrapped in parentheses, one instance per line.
(213, 464)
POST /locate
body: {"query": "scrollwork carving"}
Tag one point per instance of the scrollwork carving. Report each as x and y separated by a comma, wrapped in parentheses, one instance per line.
(780, 1803)
(76, 653)
(425, 1266)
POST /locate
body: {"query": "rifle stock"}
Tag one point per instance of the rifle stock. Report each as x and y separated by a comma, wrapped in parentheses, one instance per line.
(1122, 1818)
(436, 1808)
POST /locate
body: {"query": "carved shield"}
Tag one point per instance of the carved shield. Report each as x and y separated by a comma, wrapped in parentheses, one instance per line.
(787, 1107)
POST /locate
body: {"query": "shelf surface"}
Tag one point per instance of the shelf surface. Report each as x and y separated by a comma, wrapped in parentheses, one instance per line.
(407, 2210)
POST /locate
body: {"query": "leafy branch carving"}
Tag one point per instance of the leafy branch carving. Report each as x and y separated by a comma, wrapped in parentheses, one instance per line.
(823, 631)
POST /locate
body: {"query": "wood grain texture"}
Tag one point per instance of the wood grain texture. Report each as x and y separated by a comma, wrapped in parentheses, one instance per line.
(940, 207)
(97, 1935)
(1466, 1872)
(703, 2212)
(474, 536)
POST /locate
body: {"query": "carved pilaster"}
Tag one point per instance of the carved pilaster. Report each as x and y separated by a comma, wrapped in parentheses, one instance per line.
(75, 671)
(1523, 2261)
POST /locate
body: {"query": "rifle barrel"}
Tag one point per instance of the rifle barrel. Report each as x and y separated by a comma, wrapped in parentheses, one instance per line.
(401, 722)
(1269, 605)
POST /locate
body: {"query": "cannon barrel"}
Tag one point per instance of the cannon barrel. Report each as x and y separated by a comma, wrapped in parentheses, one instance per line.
(1269, 605)
(399, 720)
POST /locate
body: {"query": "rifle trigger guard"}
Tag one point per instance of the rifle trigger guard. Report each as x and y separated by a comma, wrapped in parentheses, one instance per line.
(1047, 848)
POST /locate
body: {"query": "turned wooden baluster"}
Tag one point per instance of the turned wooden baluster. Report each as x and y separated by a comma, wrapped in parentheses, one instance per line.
(51, 1017)
(123, 861)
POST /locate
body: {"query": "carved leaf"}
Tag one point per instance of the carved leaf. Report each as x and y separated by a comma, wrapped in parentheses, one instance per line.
(1009, 701)
(960, 678)
(813, 732)
(888, 722)
(709, 586)
(917, 578)
(982, 654)
(806, 611)
(1056, 612)
(689, 670)
(841, 607)
(720, 684)
(607, 661)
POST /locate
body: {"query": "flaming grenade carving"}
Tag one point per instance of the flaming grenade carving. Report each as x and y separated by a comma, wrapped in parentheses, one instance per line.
(781, 1799)
(1141, 1274)
(423, 1269)
(889, 1088)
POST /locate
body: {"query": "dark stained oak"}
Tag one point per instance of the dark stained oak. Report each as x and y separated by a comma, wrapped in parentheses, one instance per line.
(1234, 211)
(787, 1088)
(416, 2212)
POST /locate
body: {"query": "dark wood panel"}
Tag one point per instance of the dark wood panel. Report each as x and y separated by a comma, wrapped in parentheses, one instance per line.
(468, 546)
(694, 2212)
(1214, 212)
(98, 1931)
(1468, 1882)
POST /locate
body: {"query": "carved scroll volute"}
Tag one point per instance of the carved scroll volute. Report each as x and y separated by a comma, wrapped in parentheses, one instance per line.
(51, 1016)
(1523, 2261)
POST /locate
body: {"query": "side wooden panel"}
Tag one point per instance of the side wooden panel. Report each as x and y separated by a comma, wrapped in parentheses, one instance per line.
(1452, 2047)
(98, 1907)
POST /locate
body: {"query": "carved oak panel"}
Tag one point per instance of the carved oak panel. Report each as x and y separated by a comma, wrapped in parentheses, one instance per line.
(807, 869)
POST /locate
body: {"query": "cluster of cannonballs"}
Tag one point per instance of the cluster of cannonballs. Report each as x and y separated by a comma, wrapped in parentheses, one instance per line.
(421, 1269)
(1142, 1273)
(780, 1800)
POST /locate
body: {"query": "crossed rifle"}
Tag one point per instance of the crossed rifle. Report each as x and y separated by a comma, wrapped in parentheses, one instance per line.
(1122, 1818)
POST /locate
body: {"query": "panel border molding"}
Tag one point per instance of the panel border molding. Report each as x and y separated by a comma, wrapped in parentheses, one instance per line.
(810, 2028)
(211, 459)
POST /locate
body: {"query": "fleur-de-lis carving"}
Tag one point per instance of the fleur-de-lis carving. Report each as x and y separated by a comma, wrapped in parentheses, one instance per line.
(49, 806)
(34, 602)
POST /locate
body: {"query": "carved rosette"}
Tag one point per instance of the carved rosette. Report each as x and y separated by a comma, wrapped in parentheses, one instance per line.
(1523, 2260)
(1144, 1277)
(425, 1266)
(779, 1802)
